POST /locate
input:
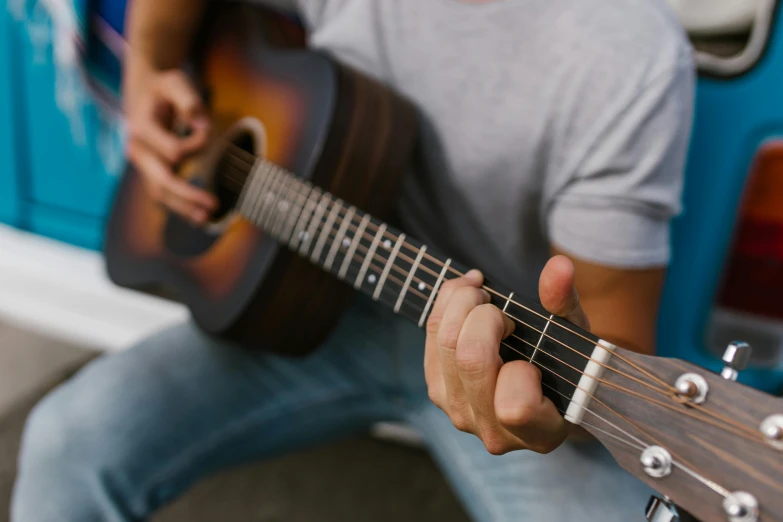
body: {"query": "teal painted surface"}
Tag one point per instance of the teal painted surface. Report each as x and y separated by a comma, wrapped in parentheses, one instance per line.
(70, 190)
(66, 170)
(733, 117)
(70, 227)
(9, 187)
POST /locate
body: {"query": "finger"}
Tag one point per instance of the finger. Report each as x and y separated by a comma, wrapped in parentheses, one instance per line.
(432, 370)
(184, 208)
(198, 198)
(557, 291)
(177, 89)
(148, 130)
(478, 363)
(522, 409)
(461, 303)
(164, 188)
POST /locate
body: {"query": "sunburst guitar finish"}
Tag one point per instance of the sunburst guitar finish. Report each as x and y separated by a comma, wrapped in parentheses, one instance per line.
(301, 110)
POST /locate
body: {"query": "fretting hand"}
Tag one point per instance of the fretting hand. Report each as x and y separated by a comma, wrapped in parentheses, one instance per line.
(502, 404)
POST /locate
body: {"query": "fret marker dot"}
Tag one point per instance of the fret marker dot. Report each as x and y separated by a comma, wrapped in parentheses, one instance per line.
(387, 244)
(346, 242)
(422, 286)
(371, 278)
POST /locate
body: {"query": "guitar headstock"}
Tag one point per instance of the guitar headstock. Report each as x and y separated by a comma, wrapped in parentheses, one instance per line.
(712, 445)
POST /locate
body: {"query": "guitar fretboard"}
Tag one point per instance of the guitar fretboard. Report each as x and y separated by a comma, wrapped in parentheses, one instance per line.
(403, 273)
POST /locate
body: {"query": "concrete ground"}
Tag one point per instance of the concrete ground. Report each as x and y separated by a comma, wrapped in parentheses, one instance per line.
(360, 479)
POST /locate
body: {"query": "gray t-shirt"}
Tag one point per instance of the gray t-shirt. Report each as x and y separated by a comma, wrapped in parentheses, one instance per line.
(544, 122)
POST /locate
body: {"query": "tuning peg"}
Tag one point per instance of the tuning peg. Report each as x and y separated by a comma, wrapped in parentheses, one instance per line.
(660, 510)
(736, 358)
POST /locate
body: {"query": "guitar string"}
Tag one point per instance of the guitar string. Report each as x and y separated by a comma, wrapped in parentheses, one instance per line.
(428, 286)
(393, 237)
(672, 390)
(379, 267)
(681, 463)
(751, 432)
(707, 482)
(423, 267)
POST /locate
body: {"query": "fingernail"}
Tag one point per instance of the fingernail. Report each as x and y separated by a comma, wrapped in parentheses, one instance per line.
(474, 276)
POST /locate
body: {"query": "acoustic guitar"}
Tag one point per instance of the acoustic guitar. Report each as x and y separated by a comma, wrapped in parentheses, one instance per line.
(306, 162)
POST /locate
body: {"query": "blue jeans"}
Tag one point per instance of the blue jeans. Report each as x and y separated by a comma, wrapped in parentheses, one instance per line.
(134, 430)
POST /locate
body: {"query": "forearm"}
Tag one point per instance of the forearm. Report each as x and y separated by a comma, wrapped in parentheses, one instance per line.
(160, 34)
(622, 305)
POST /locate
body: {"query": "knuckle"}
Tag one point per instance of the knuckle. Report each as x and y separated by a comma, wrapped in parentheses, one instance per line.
(448, 286)
(517, 415)
(495, 445)
(171, 151)
(470, 356)
(461, 421)
(436, 397)
(433, 324)
(468, 294)
(544, 448)
(448, 336)
(491, 314)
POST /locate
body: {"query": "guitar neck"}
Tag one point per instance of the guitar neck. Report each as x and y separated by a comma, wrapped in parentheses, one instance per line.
(406, 275)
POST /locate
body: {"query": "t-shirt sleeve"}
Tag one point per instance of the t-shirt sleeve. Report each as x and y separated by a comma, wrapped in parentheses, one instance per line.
(616, 205)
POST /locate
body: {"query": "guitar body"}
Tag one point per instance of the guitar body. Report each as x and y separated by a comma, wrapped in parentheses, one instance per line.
(302, 111)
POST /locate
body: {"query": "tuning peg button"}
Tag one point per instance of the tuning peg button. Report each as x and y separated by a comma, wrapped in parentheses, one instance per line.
(661, 510)
(772, 429)
(736, 357)
(741, 506)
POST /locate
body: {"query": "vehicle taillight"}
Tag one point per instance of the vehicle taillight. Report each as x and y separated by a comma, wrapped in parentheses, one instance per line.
(753, 279)
(749, 304)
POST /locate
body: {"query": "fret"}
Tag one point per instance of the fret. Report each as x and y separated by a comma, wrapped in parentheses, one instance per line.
(257, 196)
(249, 186)
(354, 244)
(284, 206)
(337, 205)
(540, 339)
(270, 199)
(305, 217)
(338, 239)
(299, 230)
(315, 222)
(434, 292)
(295, 197)
(408, 280)
(388, 266)
(370, 256)
(510, 297)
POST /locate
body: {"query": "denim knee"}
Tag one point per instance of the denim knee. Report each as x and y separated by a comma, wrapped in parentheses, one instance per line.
(73, 461)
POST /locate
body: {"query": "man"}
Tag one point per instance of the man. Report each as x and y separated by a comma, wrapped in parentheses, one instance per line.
(556, 126)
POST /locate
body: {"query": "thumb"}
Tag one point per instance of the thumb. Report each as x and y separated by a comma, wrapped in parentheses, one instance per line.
(557, 291)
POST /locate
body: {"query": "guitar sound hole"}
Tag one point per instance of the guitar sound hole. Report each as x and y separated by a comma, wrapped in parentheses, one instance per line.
(186, 240)
(232, 171)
